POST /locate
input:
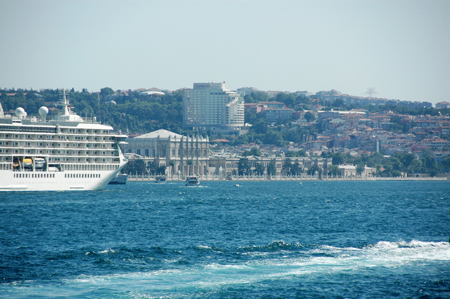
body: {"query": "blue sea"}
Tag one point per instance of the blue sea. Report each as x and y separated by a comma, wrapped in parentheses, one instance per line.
(318, 239)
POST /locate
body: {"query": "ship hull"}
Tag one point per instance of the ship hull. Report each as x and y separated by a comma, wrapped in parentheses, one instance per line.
(55, 181)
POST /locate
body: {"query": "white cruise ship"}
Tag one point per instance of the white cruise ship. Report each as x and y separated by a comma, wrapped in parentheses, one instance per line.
(66, 153)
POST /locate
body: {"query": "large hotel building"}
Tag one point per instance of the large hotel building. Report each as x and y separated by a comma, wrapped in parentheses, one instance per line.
(211, 107)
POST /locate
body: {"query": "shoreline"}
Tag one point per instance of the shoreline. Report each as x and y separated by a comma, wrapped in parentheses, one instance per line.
(152, 179)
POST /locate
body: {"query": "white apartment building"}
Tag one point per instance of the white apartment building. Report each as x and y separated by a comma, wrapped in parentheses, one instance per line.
(211, 107)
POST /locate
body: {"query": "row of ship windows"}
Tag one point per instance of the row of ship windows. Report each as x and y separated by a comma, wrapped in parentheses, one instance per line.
(49, 137)
(90, 160)
(34, 175)
(73, 131)
(18, 143)
(88, 167)
(52, 129)
(55, 152)
(76, 148)
(82, 175)
(6, 166)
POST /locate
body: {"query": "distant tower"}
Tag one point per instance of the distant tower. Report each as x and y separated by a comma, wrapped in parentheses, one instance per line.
(211, 106)
(370, 91)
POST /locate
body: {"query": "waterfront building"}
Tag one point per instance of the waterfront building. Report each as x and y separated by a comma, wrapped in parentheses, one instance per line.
(226, 166)
(211, 107)
(349, 170)
(181, 155)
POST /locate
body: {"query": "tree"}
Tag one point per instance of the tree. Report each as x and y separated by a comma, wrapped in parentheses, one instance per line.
(253, 152)
(406, 159)
(293, 134)
(287, 165)
(249, 99)
(260, 96)
(313, 169)
(396, 173)
(309, 116)
(274, 137)
(260, 126)
(250, 116)
(339, 103)
(360, 168)
(445, 163)
(290, 154)
(244, 166)
(431, 165)
(259, 168)
(295, 168)
(106, 91)
(302, 153)
(271, 168)
(338, 159)
(334, 170)
(135, 167)
(161, 170)
(415, 166)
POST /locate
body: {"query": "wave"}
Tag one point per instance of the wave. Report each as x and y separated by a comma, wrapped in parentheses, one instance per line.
(106, 251)
(273, 246)
(296, 262)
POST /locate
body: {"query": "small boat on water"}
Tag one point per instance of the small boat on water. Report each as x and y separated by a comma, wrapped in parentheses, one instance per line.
(192, 181)
(160, 179)
(120, 179)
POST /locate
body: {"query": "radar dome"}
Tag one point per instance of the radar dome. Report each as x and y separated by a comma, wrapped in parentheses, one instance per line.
(20, 112)
(43, 111)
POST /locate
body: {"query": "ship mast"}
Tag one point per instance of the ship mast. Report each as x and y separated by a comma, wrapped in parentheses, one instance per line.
(65, 103)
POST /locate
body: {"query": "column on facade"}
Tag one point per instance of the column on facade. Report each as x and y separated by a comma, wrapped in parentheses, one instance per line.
(197, 157)
(182, 154)
(168, 155)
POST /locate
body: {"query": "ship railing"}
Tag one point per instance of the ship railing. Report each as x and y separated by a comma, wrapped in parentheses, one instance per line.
(86, 119)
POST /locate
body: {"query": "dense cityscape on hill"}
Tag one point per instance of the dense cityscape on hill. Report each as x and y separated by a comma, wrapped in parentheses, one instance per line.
(390, 137)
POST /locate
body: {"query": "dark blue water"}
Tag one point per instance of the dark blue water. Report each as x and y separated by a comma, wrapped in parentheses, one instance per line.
(260, 240)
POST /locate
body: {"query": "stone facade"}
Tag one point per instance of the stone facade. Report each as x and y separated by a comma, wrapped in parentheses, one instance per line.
(228, 166)
(180, 154)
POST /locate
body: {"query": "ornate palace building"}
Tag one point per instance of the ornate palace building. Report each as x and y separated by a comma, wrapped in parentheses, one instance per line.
(180, 154)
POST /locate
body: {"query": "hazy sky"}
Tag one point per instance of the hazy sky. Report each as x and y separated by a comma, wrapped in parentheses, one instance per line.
(399, 47)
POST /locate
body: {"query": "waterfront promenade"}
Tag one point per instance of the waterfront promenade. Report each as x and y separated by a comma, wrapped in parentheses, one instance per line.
(140, 178)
